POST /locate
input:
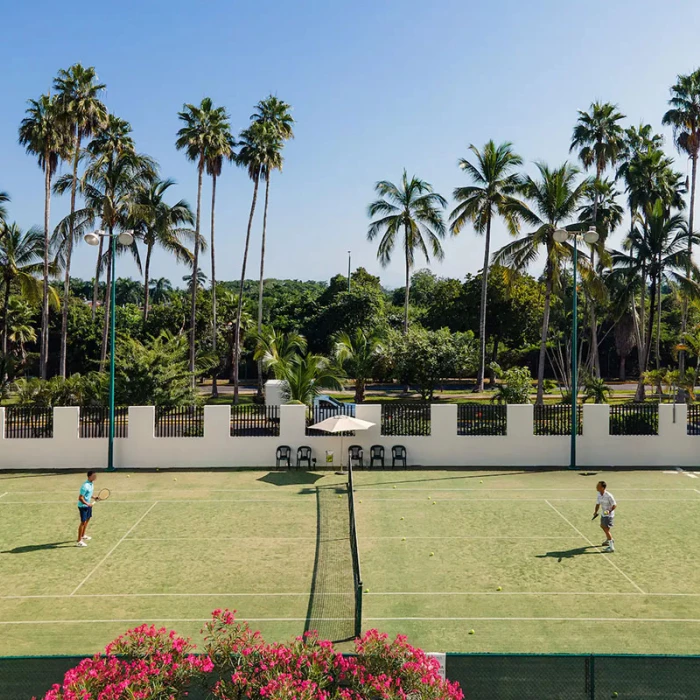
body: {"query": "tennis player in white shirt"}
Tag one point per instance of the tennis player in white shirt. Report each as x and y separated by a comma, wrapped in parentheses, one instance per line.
(606, 501)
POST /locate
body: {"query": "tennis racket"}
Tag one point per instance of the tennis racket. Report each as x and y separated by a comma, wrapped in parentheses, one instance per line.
(103, 495)
(595, 516)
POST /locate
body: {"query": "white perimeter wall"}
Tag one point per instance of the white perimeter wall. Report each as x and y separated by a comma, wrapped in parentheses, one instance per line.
(443, 448)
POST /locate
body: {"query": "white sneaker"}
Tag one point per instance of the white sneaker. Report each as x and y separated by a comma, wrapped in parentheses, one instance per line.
(81, 544)
(87, 537)
(610, 548)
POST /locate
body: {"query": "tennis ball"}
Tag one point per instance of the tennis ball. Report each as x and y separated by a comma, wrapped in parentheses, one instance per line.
(432, 554)
(403, 539)
(339, 496)
(434, 502)
(128, 476)
(174, 478)
(481, 481)
(394, 487)
(615, 693)
(471, 631)
(366, 590)
(499, 589)
(402, 517)
(359, 501)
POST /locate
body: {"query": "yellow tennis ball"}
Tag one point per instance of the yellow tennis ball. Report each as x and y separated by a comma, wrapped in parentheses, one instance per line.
(402, 517)
(394, 487)
(128, 476)
(366, 590)
(434, 502)
(432, 554)
(429, 497)
(359, 501)
(615, 693)
(499, 589)
(174, 478)
(471, 632)
(339, 496)
(481, 481)
(403, 539)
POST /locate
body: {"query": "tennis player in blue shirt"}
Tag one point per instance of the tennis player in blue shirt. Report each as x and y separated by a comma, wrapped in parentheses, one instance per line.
(85, 507)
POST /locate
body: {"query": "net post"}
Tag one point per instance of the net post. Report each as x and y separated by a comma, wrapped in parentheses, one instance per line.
(357, 574)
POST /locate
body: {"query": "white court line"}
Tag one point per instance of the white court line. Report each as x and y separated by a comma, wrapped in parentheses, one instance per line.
(3, 494)
(374, 593)
(106, 556)
(607, 559)
(369, 537)
(368, 619)
(697, 490)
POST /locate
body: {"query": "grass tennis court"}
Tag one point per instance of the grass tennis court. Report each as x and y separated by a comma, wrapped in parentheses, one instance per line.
(169, 547)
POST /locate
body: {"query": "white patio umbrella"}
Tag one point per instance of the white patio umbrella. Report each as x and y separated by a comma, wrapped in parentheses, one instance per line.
(342, 424)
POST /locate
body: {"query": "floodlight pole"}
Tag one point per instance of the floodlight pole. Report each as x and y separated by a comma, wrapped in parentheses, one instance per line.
(574, 362)
(349, 260)
(112, 353)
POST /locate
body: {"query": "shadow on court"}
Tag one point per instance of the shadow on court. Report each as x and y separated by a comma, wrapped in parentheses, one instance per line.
(291, 478)
(39, 547)
(570, 553)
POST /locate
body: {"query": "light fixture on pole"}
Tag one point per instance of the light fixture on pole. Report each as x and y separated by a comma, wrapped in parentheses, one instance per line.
(125, 238)
(590, 237)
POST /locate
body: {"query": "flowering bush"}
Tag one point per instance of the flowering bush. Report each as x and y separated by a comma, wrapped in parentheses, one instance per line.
(154, 664)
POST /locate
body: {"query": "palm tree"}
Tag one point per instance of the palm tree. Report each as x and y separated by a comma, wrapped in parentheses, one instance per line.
(4, 198)
(305, 376)
(599, 139)
(492, 192)
(201, 281)
(415, 210)
(258, 142)
(21, 256)
(684, 118)
(196, 139)
(220, 148)
(361, 352)
(43, 135)
(159, 224)
(275, 114)
(160, 290)
(275, 350)
(83, 113)
(555, 197)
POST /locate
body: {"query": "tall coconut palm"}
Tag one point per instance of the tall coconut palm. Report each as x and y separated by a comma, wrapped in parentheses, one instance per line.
(684, 118)
(21, 256)
(77, 95)
(275, 114)
(220, 149)
(195, 139)
(361, 353)
(160, 290)
(276, 350)
(495, 183)
(257, 144)
(158, 223)
(43, 134)
(599, 140)
(414, 210)
(555, 197)
(4, 199)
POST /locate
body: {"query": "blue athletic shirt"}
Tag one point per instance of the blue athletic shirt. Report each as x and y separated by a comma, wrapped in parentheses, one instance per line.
(86, 492)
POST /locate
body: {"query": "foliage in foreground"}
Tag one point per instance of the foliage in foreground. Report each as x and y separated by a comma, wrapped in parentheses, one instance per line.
(154, 664)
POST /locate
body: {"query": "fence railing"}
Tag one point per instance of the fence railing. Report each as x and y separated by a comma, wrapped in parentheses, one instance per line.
(318, 413)
(634, 419)
(94, 422)
(406, 419)
(179, 421)
(694, 419)
(555, 419)
(255, 421)
(28, 422)
(481, 419)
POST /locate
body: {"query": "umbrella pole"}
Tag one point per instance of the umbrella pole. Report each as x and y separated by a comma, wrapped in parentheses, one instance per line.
(341, 472)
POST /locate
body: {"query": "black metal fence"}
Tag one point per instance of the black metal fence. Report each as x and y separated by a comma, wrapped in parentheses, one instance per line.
(179, 421)
(255, 421)
(28, 422)
(481, 419)
(355, 549)
(634, 419)
(94, 422)
(405, 418)
(555, 419)
(318, 413)
(574, 677)
(694, 419)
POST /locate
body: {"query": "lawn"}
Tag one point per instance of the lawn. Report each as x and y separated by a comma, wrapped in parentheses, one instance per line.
(435, 547)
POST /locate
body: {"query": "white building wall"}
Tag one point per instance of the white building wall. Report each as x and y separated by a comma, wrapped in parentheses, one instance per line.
(443, 448)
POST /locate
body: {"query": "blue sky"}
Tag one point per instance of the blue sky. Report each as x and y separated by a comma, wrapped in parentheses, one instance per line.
(376, 86)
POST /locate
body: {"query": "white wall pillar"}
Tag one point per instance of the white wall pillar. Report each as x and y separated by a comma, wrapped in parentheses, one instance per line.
(2, 426)
(520, 421)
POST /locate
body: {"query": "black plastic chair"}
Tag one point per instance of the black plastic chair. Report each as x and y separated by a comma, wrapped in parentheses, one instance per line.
(376, 454)
(284, 455)
(304, 455)
(355, 456)
(398, 455)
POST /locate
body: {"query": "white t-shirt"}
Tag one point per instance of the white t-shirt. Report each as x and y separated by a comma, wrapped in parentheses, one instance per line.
(606, 501)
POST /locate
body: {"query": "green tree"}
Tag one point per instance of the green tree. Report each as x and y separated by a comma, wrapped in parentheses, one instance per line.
(160, 290)
(515, 385)
(555, 197)
(77, 96)
(43, 134)
(4, 199)
(495, 183)
(275, 114)
(361, 353)
(259, 144)
(275, 350)
(306, 376)
(684, 118)
(158, 223)
(414, 210)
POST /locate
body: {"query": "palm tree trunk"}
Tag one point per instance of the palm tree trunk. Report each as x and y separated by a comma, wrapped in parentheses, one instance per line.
(69, 252)
(482, 312)
(408, 287)
(214, 387)
(147, 282)
(261, 284)
(359, 389)
(691, 222)
(96, 283)
(107, 304)
(195, 269)
(44, 347)
(543, 339)
(622, 373)
(5, 324)
(239, 311)
(658, 326)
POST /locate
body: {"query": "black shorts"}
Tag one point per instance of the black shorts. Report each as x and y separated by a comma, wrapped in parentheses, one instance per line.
(85, 514)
